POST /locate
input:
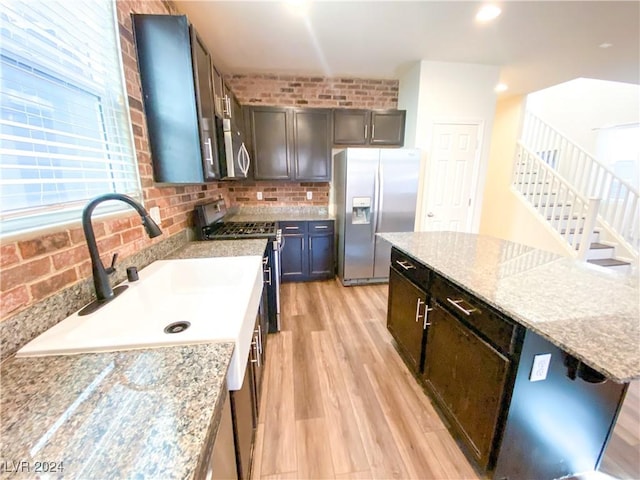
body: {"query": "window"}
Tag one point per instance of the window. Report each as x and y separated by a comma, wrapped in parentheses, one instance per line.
(65, 135)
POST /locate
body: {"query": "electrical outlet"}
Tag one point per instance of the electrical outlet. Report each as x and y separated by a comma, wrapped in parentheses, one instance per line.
(259, 195)
(540, 367)
(154, 213)
(309, 195)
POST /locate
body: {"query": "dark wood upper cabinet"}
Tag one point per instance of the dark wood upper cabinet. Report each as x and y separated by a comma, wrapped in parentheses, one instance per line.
(312, 144)
(271, 142)
(350, 127)
(387, 127)
(177, 91)
(368, 127)
(290, 143)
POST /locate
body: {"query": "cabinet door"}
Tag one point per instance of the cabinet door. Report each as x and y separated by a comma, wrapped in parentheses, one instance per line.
(257, 360)
(387, 127)
(405, 317)
(293, 261)
(271, 142)
(467, 377)
(312, 144)
(350, 127)
(242, 408)
(163, 45)
(206, 107)
(222, 462)
(218, 93)
(321, 256)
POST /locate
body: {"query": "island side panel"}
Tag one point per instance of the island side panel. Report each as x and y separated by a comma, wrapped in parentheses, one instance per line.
(556, 426)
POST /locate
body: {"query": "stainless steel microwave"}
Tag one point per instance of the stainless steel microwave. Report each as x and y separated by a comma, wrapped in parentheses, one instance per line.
(235, 161)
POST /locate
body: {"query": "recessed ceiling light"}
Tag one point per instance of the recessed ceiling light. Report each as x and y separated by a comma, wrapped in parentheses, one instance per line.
(299, 7)
(605, 45)
(488, 13)
(501, 87)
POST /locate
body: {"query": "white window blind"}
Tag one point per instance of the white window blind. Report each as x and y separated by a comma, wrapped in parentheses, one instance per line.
(65, 135)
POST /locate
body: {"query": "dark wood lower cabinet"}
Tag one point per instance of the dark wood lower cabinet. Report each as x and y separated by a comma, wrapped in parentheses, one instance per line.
(308, 252)
(242, 408)
(405, 317)
(468, 378)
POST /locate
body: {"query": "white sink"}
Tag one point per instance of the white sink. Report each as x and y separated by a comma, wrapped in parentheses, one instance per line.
(218, 296)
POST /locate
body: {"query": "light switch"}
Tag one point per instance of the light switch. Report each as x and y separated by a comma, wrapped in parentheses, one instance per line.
(309, 195)
(540, 367)
(259, 195)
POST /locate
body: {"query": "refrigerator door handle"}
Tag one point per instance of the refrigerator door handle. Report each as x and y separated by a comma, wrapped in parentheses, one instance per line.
(376, 203)
(380, 196)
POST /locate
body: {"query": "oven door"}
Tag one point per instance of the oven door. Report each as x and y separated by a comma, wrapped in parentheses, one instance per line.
(272, 284)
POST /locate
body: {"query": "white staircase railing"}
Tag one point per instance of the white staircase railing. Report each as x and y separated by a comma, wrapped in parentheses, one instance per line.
(620, 208)
(571, 215)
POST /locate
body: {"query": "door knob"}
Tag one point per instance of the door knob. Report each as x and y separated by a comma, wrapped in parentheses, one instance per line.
(430, 214)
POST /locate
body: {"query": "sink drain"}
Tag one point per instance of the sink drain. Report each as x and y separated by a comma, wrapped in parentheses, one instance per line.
(176, 327)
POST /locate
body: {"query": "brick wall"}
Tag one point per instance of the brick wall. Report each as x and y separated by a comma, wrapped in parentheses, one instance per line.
(36, 267)
(304, 91)
(301, 91)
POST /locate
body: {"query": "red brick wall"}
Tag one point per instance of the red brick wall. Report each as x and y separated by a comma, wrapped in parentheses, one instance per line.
(41, 265)
(304, 91)
(301, 91)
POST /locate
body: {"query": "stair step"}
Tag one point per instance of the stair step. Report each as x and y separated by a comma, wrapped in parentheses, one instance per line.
(598, 251)
(609, 262)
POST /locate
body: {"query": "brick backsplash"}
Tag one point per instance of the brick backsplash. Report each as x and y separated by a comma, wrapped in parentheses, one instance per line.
(278, 193)
(304, 91)
(307, 91)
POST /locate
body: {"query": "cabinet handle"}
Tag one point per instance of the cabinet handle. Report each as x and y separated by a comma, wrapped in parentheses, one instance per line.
(456, 303)
(268, 272)
(309, 243)
(254, 349)
(426, 323)
(365, 131)
(373, 131)
(209, 151)
(291, 228)
(260, 338)
(418, 303)
(321, 227)
(404, 264)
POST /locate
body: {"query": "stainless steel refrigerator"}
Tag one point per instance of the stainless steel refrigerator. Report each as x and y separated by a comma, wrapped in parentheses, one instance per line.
(376, 191)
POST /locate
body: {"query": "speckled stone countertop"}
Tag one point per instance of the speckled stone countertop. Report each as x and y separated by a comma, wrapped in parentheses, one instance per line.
(591, 313)
(130, 414)
(221, 248)
(275, 214)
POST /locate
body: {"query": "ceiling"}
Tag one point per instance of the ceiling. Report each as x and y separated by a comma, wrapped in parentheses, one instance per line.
(536, 43)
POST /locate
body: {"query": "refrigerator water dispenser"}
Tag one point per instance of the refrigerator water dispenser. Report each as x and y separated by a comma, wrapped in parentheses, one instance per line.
(361, 211)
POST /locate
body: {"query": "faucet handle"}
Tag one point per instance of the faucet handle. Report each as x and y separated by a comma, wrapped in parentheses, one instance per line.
(112, 268)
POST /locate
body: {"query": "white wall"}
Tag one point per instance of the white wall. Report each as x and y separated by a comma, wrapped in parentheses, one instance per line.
(433, 92)
(504, 215)
(580, 107)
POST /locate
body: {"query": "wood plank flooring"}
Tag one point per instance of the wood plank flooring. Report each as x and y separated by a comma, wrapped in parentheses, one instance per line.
(338, 402)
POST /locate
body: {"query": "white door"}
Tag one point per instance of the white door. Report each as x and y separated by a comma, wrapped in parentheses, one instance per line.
(451, 177)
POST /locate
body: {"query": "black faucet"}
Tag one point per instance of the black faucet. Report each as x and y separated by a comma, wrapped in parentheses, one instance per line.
(104, 292)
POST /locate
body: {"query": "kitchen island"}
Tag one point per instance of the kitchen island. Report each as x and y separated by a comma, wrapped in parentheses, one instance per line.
(525, 353)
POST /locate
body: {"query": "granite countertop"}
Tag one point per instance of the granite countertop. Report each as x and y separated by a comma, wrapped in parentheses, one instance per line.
(221, 248)
(590, 313)
(129, 414)
(283, 214)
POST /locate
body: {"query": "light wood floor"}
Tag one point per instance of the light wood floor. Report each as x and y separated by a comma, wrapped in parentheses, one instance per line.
(338, 402)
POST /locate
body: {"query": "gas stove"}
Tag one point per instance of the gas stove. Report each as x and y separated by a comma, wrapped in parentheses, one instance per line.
(211, 224)
(235, 230)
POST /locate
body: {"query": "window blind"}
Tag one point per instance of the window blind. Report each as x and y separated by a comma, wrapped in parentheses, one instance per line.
(65, 135)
